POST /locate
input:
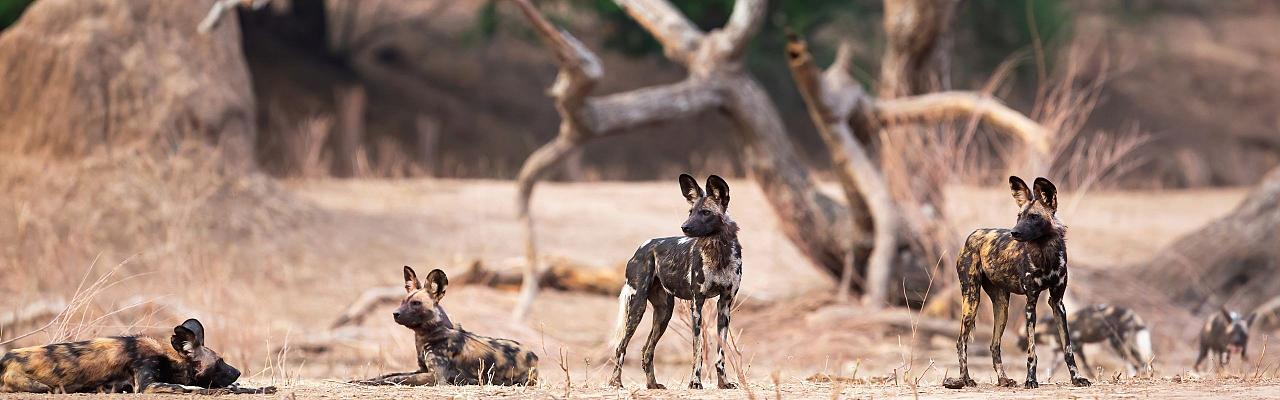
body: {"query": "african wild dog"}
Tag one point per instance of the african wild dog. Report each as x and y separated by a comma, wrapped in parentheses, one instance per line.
(1025, 260)
(118, 364)
(448, 355)
(1224, 333)
(1120, 327)
(706, 262)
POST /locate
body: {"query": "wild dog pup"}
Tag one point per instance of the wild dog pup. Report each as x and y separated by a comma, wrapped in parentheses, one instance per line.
(118, 364)
(1025, 260)
(1224, 333)
(706, 262)
(1120, 327)
(448, 355)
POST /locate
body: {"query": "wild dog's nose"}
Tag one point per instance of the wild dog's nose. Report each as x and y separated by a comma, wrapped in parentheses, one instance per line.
(395, 314)
(1015, 234)
(686, 228)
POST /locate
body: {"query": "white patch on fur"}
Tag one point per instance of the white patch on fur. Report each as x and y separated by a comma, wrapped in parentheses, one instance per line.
(684, 240)
(1142, 340)
(624, 301)
(726, 276)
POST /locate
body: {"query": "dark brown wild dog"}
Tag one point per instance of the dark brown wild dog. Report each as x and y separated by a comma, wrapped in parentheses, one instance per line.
(121, 364)
(1224, 333)
(448, 355)
(706, 262)
(1120, 327)
(1025, 260)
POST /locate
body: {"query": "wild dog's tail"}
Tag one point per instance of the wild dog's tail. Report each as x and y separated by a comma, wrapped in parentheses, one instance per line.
(1142, 343)
(624, 301)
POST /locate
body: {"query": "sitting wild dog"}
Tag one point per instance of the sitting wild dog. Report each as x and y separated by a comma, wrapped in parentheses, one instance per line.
(706, 262)
(1120, 327)
(1224, 333)
(449, 355)
(1025, 260)
(116, 364)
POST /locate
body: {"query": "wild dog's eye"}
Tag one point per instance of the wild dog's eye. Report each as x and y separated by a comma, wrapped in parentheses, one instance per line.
(416, 303)
(705, 212)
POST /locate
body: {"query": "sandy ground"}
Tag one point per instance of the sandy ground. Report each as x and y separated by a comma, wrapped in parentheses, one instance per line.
(789, 328)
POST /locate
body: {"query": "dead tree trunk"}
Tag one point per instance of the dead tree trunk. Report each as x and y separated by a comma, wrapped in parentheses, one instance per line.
(827, 232)
(1231, 260)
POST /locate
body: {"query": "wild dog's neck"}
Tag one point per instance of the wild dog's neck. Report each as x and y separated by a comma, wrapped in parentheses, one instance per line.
(442, 328)
(719, 246)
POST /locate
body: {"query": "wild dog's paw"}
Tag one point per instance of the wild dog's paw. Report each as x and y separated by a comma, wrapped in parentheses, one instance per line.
(658, 386)
(1006, 382)
(695, 385)
(958, 383)
(1080, 381)
(728, 385)
(1030, 384)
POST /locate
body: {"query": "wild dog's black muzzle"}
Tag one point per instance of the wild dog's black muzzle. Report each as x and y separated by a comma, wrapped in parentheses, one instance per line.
(220, 376)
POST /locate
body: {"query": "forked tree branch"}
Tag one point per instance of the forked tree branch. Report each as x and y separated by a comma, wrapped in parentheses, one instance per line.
(584, 117)
(831, 97)
(747, 18)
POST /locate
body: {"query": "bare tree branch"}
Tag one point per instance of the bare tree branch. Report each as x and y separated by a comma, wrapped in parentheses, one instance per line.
(606, 115)
(945, 105)
(746, 19)
(679, 37)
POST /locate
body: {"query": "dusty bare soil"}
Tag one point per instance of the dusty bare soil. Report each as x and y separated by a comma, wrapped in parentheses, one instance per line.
(787, 330)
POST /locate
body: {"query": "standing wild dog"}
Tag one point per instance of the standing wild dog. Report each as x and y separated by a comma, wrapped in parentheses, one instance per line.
(1120, 327)
(1025, 260)
(706, 262)
(1224, 333)
(449, 355)
(118, 364)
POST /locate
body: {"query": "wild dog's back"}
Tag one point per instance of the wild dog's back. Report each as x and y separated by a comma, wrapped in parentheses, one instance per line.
(92, 365)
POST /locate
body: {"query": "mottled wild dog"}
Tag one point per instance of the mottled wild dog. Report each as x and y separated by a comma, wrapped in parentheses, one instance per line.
(706, 262)
(1120, 327)
(1224, 333)
(449, 355)
(118, 364)
(1025, 260)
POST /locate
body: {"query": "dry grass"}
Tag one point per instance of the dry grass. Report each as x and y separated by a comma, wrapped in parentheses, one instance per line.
(267, 266)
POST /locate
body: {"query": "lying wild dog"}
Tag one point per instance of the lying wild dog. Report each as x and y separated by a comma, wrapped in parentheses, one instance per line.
(449, 355)
(121, 364)
(1120, 327)
(1025, 260)
(706, 262)
(1224, 333)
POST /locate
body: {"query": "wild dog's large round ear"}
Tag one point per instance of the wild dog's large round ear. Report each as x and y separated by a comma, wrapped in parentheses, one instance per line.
(1248, 322)
(411, 282)
(718, 190)
(188, 336)
(1021, 193)
(1226, 314)
(689, 189)
(437, 281)
(1047, 193)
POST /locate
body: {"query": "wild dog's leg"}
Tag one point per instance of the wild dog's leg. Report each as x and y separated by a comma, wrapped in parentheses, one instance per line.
(1204, 351)
(1000, 308)
(663, 304)
(631, 308)
(967, 269)
(1121, 348)
(18, 382)
(695, 310)
(1064, 332)
(723, 306)
(1032, 299)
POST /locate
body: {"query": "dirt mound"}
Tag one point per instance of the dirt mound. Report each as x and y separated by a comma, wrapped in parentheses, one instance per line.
(83, 75)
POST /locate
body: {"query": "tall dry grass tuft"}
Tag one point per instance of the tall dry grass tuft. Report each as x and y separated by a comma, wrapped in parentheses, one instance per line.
(188, 238)
(304, 149)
